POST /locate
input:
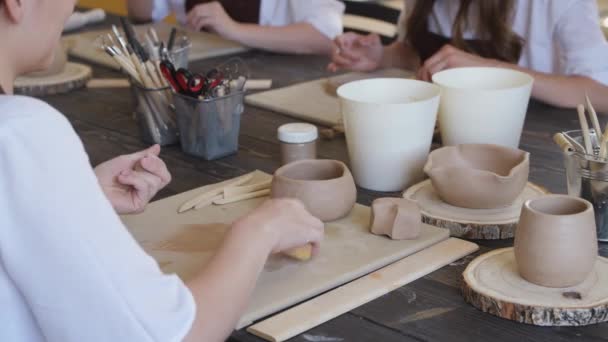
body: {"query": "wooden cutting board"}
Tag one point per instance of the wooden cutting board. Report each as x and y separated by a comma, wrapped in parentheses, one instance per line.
(182, 243)
(204, 45)
(315, 101)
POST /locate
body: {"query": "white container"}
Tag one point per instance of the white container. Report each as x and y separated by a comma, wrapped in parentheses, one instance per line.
(389, 125)
(298, 142)
(482, 105)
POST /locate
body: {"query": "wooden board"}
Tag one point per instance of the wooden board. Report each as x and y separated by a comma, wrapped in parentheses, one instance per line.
(314, 101)
(182, 243)
(204, 45)
(493, 285)
(482, 224)
(329, 305)
(74, 76)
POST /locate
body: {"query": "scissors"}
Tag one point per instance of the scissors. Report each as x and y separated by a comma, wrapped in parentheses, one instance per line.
(183, 81)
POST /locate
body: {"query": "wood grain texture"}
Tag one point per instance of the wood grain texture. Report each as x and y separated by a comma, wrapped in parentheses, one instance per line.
(477, 224)
(491, 283)
(74, 76)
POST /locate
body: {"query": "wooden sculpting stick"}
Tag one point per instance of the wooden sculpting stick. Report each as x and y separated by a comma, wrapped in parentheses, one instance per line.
(204, 197)
(347, 297)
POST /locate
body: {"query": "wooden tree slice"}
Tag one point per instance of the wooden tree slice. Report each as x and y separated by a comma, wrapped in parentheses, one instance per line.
(481, 224)
(492, 284)
(74, 76)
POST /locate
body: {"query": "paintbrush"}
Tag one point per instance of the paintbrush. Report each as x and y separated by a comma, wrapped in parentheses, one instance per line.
(584, 129)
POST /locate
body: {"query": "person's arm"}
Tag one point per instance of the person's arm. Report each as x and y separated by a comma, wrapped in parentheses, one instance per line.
(140, 10)
(223, 287)
(299, 38)
(302, 38)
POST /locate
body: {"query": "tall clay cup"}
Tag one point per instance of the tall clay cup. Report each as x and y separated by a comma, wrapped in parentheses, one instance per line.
(555, 241)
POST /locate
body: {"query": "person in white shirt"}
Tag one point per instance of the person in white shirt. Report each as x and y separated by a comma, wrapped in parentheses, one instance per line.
(287, 26)
(559, 43)
(69, 269)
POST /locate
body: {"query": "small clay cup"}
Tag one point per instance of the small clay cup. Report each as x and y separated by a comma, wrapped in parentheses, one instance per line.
(326, 187)
(478, 176)
(555, 241)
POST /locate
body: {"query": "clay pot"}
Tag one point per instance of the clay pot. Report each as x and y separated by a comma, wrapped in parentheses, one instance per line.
(326, 187)
(555, 241)
(478, 176)
(60, 59)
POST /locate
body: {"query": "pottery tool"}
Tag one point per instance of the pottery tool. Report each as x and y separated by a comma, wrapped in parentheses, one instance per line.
(585, 129)
(478, 224)
(261, 84)
(577, 146)
(562, 142)
(493, 285)
(334, 303)
(74, 76)
(184, 243)
(242, 197)
(325, 110)
(219, 190)
(303, 253)
(108, 83)
(245, 189)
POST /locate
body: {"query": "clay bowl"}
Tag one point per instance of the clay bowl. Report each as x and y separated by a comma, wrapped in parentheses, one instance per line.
(555, 241)
(326, 187)
(478, 176)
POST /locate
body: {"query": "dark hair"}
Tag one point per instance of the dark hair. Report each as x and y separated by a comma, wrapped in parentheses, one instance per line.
(494, 25)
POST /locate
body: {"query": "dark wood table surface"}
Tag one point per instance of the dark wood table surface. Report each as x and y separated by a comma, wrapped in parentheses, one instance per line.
(429, 309)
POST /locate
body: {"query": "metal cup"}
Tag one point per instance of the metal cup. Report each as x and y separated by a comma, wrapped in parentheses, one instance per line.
(209, 128)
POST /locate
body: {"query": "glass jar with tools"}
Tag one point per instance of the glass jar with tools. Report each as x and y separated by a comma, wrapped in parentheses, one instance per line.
(587, 177)
(298, 141)
(155, 114)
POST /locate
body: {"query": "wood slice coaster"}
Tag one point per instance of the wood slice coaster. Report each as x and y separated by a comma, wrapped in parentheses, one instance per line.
(481, 224)
(74, 76)
(493, 285)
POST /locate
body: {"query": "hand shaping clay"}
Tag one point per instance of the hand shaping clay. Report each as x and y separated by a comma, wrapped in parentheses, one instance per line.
(478, 176)
(399, 218)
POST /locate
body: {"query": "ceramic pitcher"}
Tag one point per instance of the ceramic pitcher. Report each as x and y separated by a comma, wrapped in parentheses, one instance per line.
(555, 241)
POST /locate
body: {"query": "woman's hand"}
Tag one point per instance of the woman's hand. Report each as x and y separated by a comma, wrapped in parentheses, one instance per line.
(213, 17)
(352, 51)
(285, 224)
(130, 181)
(450, 57)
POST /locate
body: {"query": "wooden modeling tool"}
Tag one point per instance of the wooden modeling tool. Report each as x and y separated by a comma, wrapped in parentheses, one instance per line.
(584, 129)
(209, 195)
(562, 142)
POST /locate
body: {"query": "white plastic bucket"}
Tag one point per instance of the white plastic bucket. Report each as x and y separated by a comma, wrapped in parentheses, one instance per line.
(389, 125)
(483, 105)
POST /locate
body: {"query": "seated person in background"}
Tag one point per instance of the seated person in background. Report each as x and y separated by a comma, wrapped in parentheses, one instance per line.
(559, 43)
(69, 269)
(288, 26)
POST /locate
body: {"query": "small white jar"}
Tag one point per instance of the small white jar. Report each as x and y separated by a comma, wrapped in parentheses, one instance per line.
(298, 142)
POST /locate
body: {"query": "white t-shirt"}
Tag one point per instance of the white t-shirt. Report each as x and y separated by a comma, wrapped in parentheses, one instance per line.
(561, 36)
(324, 15)
(69, 269)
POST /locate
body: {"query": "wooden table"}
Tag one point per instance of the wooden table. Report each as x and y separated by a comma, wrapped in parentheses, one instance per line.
(430, 309)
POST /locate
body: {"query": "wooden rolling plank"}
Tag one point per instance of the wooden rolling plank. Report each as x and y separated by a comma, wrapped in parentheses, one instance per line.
(358, 292)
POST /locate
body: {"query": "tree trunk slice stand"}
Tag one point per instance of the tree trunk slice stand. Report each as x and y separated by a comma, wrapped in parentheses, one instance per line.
(480, 224)
(492, 284)
(74, 76)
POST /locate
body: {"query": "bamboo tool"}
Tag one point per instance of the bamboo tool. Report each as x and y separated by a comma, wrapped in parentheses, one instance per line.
(245, 189)
(108, 83)
(602, 137)
(303, 253)
(562, 142)
(584, 129)
(341, 300)
(242, 197)
(206, 196)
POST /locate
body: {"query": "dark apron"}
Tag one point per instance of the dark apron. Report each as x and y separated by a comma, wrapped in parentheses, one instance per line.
(430, 43)
(243, 11)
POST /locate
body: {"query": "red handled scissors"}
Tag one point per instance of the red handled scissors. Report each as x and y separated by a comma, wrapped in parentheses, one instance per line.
(183, 81)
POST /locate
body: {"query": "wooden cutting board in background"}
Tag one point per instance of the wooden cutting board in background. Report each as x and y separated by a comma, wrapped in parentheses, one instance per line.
(182, 243)
(204, 45)
(315, 101)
